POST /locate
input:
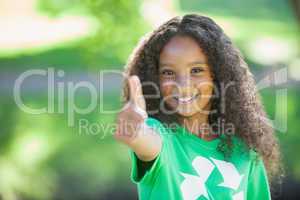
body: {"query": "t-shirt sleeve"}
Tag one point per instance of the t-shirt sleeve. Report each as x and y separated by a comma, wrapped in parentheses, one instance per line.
(149, 176)
(258, 185)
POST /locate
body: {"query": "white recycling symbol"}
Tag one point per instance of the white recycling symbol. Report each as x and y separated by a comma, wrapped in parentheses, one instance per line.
(193, 186)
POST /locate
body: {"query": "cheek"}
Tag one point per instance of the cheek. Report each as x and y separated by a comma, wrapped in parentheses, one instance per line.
(166, 88)
(206, 88)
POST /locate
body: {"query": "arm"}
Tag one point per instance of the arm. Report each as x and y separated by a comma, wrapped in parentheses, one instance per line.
(131, 129)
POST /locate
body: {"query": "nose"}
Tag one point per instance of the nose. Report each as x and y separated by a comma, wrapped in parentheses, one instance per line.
(183, 80)
(184, 85)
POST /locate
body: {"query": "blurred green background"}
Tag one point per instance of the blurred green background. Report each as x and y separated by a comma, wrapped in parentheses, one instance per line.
(43, 157)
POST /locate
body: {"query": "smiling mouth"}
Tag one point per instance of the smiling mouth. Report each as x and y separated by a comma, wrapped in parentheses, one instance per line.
(185, 100)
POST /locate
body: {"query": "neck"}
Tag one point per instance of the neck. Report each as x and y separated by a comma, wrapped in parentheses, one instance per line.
(198, 124)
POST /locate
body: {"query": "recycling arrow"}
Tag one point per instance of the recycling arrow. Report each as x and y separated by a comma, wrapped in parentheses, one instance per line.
(231, 176)
(193, 186)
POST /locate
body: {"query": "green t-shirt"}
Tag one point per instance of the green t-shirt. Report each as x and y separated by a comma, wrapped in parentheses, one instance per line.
(189, 167)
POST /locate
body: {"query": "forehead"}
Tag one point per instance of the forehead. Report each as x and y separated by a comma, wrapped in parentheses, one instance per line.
(182, 49)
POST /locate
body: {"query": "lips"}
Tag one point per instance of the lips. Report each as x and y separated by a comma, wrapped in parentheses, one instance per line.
(185, 100)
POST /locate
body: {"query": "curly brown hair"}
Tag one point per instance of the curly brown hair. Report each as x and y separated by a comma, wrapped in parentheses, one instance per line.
(243, 105)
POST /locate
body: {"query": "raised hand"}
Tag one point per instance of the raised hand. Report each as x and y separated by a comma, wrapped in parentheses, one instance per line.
(133, 114)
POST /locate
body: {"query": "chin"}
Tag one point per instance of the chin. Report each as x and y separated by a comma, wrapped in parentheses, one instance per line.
(191, 111)
(182, 114)
(187, 113)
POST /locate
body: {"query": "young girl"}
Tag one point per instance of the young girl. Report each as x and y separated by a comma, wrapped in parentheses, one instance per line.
(193, 119)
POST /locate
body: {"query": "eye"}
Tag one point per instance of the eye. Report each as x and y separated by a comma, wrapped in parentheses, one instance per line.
(167, 72)
(196, 70)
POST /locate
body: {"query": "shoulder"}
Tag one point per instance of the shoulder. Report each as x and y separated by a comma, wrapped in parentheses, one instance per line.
(241, 147)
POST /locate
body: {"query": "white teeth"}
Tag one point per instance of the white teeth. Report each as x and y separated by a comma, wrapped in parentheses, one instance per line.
(186, 99)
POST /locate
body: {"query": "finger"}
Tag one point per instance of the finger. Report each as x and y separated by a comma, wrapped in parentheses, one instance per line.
(136, 96)
(135, 89)
(140, 111)
(126, 106)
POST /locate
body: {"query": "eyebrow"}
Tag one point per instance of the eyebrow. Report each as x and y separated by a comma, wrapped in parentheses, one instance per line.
(197, 62)
(191, 63)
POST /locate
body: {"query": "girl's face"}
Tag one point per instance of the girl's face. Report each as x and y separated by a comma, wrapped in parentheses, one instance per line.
(186, 81)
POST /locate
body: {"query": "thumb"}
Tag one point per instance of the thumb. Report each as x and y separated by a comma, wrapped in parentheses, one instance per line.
(135, 89)
(136, 94)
